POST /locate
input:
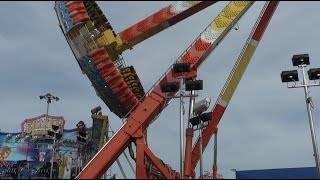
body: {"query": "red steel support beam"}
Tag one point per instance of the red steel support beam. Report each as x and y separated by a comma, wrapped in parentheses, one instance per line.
(140, 160)
(188, 153)
(159, 21)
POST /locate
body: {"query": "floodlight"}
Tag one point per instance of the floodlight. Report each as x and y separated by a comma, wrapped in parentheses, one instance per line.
(27, 138)
(195, 120)
(300, 59)
(181, 67)
(8, 137)
(289, 76)
(18, 137)
(81, 139)
(96, 110)
(201, 106)
(55, 127)
(314, 73)
(170, 87)
(194, 85)
(50, 133)
(204, 117)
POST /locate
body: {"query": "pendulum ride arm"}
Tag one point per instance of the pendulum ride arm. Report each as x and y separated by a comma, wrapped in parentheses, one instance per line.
(95, 47)
(155, 23)
(159, 21)
(234, 79)
(154, 102)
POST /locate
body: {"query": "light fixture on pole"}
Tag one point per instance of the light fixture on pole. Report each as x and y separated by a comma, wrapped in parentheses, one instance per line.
(56, 136)
(173, 87)
(8, 137)
(96, 110)
(314, 74)
(198, 119)
(302, 60)
(49, 99)
(18, 137)
(82, 129)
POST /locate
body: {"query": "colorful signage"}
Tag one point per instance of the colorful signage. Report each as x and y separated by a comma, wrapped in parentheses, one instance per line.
(39, 126)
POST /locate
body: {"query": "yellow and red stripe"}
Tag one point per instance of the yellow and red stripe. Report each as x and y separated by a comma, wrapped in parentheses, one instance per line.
(222, 104)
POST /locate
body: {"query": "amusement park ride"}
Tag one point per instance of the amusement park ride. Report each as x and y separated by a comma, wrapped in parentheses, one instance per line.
(97, 49)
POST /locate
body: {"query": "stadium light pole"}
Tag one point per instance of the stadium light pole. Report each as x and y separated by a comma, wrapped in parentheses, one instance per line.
(302, 60)
(179, 70)
(56, 136)
(49, 99)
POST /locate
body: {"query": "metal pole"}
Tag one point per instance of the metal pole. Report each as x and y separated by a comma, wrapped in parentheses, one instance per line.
(121, 169)
(188, 148)
(47, 109)
(200, 136)
(181, 136)
(53, 152)
(27, 151)
(105, 139)
(125, 155)
(54, 140)
(215, 154)
(181, 132)
(191, 104)
(181, 96)
(80, 159)
(313, 134)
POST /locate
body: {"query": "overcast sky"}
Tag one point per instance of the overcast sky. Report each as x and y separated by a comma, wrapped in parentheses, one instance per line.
(265, 125)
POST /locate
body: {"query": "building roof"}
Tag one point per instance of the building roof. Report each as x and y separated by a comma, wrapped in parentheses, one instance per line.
(282, 173)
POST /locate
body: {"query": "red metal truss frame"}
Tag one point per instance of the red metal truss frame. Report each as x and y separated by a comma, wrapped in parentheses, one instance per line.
(141, 117)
